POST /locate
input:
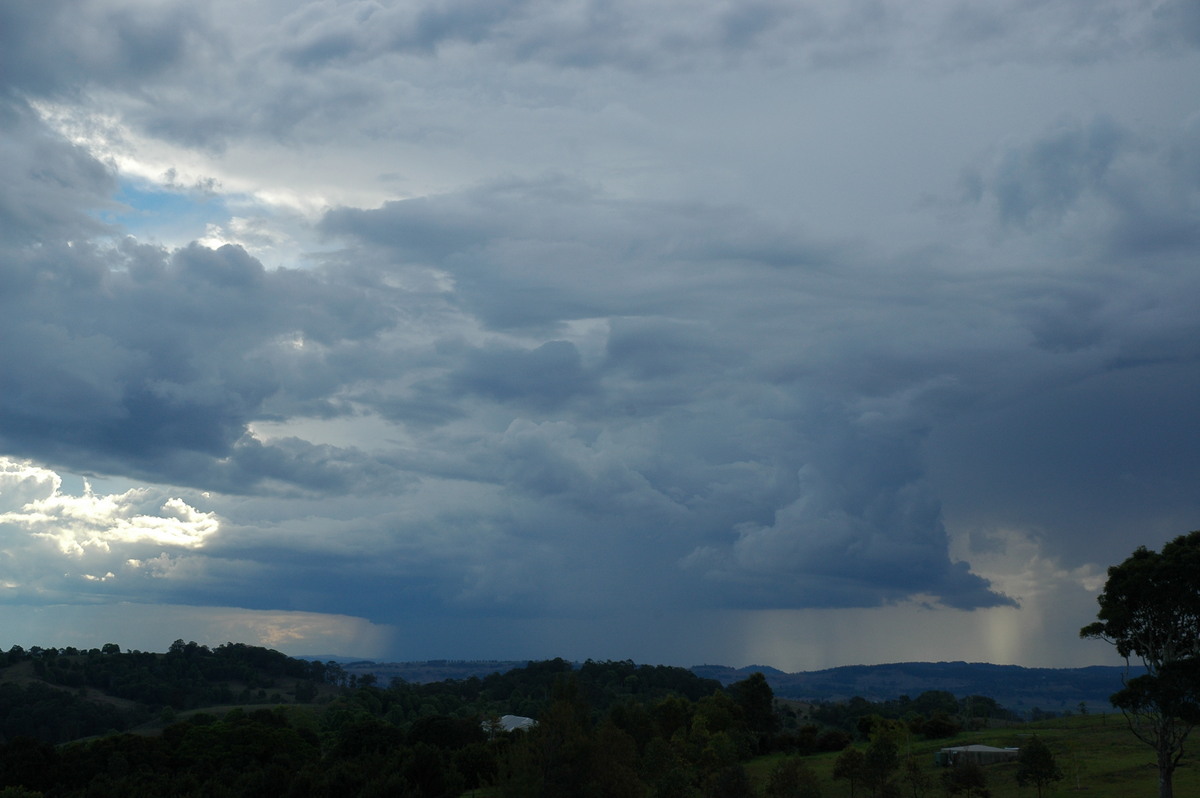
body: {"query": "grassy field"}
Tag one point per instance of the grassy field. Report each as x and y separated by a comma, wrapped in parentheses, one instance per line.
(1098, 756)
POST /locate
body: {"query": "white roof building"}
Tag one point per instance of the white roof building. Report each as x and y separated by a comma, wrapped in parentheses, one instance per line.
(981, 754)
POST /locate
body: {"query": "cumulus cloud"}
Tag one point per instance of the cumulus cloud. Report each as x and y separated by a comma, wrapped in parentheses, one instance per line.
(92, 536)
(110, 346)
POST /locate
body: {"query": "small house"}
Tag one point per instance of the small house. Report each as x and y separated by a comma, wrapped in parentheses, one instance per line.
(979, 754)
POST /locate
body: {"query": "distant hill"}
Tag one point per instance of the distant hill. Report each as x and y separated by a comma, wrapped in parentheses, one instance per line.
(435, 670)
(1012, 686)
(1020, 689)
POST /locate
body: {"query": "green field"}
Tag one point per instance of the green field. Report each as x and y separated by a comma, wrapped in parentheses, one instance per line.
(1098, 756)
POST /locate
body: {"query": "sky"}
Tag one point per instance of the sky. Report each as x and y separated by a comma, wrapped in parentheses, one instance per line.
(768, 332)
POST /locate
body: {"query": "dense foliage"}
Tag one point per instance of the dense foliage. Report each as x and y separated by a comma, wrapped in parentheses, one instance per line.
(187, 676)
(603, 728)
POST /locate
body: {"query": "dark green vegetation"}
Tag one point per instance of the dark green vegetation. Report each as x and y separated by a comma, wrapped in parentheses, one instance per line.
(239, 720)
(1037, 765)
(1150, 609)
(1027, 691)
(1096, 753)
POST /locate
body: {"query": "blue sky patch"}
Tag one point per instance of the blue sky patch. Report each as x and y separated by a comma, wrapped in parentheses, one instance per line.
(166, 215)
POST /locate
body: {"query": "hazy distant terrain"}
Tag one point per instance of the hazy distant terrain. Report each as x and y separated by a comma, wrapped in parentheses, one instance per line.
(1020, 689)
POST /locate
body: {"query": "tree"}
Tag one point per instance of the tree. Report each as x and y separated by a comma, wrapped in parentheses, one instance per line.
(731, 781)
(1036, 765)
(792, 778)
(915, 778)
(880, 763)
(757, 702)
(849, 765)
(966, 778)
(1150, 608)
(939, 726)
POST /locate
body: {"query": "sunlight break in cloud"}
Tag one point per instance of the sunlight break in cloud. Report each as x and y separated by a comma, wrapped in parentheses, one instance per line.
(77, 523)
(152, 628)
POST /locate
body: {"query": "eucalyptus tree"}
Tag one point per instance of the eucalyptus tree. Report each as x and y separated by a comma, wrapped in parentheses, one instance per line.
(1150, 610)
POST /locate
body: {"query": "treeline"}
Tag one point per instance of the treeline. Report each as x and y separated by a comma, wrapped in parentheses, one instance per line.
(187, 676)
(59, 708)
(652, 739)
(934, 714)
(603, 729)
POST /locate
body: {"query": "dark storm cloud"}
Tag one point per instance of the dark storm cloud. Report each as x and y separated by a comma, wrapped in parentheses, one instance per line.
(754, 404)
(859, 524)
(645, 333)
(1100, 441)
(689, 363)
(742, 338)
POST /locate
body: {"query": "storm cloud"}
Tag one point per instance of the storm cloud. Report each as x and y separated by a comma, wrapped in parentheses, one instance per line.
(473, 326)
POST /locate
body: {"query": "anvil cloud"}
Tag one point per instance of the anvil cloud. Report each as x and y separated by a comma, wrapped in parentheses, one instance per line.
(781, 332)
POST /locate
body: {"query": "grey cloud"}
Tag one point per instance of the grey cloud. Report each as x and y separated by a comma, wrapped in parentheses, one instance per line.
(652, 349)
(1068, 31)
(1039, 183)
(1178, 21)
(425, 405)
(131, 357)
(591, 392)
(465, 20)
(1091, 463)
(1105, 187)
(364, 29)
(838, 545)
(742, 25)
(422, 229)
(59, 45)
(323, 63)
(642, 38)
(47, 186)
(786, 357)
(682, 347)
(544, 377)
(605, 476)
(295, 465)
(532, 253)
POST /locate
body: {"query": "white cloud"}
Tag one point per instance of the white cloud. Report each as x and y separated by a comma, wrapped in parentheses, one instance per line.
(50, 539)
(77, 523)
